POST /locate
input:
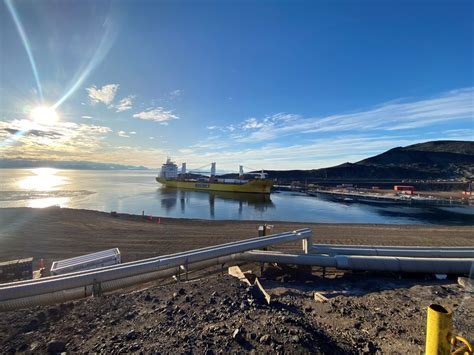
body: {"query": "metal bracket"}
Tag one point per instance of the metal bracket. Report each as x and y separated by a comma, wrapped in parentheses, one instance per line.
(96, 289)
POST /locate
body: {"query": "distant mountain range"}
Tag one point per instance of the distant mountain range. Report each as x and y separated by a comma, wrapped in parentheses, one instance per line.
(424, 161)
(80, 165)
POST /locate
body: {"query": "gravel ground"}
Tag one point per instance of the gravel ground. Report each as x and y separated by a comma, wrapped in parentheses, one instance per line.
(365, 312)
(217, 314)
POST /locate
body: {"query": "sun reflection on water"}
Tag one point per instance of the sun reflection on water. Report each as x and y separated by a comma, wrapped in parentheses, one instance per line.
(48, 202)
(44, 179)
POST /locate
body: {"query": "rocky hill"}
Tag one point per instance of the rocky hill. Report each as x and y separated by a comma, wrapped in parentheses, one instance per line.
(423, 161)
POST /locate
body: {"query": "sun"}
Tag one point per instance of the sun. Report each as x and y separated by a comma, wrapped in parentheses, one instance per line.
(43, 115)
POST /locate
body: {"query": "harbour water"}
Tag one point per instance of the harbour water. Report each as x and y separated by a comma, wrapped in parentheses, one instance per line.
(137, 191)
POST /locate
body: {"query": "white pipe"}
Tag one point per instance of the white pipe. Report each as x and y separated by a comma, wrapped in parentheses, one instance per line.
(389, 246)
(368, 263)
(77, 280)
(80, 292)
(430, 252)
(155, 258)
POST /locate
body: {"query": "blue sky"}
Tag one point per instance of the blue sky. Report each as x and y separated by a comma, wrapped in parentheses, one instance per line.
(268, 84)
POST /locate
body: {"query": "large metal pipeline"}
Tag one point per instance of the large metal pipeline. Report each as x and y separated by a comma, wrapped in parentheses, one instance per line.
(430, 252)
(67, 287)
(156, 258)
(80, 280)
(368, 263)
(67, 295)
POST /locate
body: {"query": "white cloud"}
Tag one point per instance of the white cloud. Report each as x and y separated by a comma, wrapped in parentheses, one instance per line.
(66, 139)
(175, 93)
(158, 114)
(317, 153)
(105, 94)
(132, 132)
(86, 117)
(123, 134)
(392, 116)
(70, 141)
(252, 123)
(125, 104)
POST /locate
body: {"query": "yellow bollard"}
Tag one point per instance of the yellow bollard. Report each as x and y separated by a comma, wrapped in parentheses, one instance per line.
(439, 325)
(439, 333)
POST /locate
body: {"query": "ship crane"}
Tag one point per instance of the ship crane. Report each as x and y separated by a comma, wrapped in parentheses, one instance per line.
(169, 177)
(262, 175)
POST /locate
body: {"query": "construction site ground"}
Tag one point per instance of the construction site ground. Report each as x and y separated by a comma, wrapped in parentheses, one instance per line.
(214, 312)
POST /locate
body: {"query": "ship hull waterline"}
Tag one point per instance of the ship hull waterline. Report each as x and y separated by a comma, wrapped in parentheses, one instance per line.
(253, 186)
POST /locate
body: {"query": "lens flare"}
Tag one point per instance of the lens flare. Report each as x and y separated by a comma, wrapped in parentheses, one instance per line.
(45, 116)
(26, 44)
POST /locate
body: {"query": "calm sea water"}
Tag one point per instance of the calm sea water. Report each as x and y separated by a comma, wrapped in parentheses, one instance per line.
(137, 191)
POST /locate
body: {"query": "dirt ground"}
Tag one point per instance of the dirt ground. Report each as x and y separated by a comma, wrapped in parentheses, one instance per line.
(58, 233)
(217, 314)
(365, 312)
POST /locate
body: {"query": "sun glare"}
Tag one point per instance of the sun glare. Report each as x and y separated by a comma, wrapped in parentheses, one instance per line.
(42, 179)
(43, 115)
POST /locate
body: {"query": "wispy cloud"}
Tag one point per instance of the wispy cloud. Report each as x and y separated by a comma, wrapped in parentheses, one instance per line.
(123, 134)
(87, 117)
(158, 114)
(124, 104)
(392, 116)
(175, 93)
(105, 94)
(316, 153)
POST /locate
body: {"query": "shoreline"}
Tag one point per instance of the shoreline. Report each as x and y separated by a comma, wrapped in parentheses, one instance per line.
(58, 233)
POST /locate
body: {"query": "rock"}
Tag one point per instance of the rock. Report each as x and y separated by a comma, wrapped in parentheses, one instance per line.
(182, 291)
(265, 339)
(56, 346)
(41, 317)
(135, 347)
(187, 299)
(32, 325)
(369, 348)
(295, 339)
(130, 316)
(148, 298)
(132, 334)
(53, 312)
(237, 335)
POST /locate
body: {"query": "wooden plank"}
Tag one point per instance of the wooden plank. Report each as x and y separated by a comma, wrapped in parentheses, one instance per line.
(265, 294)
(237, 272)
(319, 297)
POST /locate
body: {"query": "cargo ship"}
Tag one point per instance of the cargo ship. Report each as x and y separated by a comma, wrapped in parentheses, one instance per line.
(170, 177)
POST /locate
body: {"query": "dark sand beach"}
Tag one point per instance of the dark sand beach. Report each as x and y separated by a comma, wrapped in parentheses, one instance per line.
(58, 233)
